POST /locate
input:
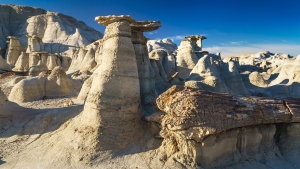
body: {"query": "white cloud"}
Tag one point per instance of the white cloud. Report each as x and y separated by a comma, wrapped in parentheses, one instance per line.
(292, 49)
(177, 37)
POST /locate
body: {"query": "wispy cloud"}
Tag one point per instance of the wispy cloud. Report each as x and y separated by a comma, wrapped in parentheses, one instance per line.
(238, 43)
(292, 49)
(177, 37)
(151, 33)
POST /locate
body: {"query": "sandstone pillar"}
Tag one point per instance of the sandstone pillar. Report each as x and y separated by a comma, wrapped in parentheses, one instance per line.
(14, 50)
(35, 44)
(196, 41)
(112, 105)
(145, 71)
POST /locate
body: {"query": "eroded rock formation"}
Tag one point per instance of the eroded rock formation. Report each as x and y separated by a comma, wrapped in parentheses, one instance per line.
(58, 32)
(14, 50)
(145, 71)
(113, 100)
(34, 88)
(188, 54)
(213, 128)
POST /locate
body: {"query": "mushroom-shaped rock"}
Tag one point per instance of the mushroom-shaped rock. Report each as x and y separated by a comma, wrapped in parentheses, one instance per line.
(196, 41)
(112, 104)
(145, 71)
(106, 20)
(14, 50)
(145, 26)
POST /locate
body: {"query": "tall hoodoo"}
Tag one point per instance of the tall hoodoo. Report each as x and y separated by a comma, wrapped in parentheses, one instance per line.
(188, 54)
(35, 44)
(196, 41)
(112, 105)
(14, 50)
(145, 71)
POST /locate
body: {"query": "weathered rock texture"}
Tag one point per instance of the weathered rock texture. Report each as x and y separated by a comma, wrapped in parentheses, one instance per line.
(22, 63)
(209, 126)
(212, 74)
(113, 100)
(188, 54)
(166, 44)
(14, 50)
(145, 71)
(56, 84)
(59, 33)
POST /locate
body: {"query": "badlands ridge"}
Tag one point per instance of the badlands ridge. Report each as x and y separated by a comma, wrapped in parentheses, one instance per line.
(73, 98)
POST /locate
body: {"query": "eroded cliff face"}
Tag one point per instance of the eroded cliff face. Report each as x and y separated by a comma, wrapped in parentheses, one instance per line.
(59, 32)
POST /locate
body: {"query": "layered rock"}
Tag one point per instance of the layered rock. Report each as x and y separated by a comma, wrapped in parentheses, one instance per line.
(207, 126)
(113, 101)
(14, 50)
(145, 71)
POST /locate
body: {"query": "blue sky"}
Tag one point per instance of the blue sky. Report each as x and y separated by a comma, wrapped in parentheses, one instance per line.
(231, 26)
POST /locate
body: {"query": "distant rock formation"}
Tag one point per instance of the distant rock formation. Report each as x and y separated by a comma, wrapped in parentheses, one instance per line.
(165, 44)
(188, 54)
(59, 33)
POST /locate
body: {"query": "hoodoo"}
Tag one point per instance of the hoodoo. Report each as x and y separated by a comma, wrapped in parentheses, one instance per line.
(145, 71)
(112, 104)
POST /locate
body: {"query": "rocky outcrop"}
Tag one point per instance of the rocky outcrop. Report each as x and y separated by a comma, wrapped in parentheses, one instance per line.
(58, 32)
(22, 63)
(188, 54)
(207, 126)
(34, 88)
(212, 74)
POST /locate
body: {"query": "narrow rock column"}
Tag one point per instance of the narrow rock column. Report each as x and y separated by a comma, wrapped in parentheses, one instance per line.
(112, 105)
(196, 41)
(14, 51)
(145, 71)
